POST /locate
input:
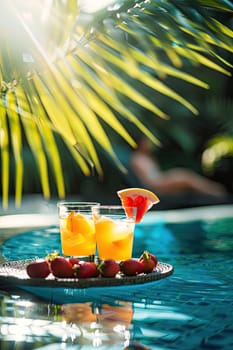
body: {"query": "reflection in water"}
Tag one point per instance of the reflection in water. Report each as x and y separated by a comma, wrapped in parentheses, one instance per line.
(194, 306)
(98, 325)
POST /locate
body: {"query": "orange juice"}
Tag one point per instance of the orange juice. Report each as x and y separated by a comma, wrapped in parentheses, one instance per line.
(77, 235)
(114, 233)
(77, 230)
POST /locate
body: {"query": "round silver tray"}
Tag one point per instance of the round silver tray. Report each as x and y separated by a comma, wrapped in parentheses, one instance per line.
(14, 273)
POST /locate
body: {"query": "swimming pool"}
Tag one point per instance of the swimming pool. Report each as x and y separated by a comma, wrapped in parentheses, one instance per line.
(191, 309)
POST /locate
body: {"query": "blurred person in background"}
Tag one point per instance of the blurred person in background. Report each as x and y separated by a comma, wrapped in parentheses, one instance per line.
(173, 181)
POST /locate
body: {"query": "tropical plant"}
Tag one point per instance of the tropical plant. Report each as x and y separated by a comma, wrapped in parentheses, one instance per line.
(220, 145)
(68, 69)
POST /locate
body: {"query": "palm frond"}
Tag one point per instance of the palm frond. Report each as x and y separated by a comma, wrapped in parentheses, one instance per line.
(219, 147)
(68, 71)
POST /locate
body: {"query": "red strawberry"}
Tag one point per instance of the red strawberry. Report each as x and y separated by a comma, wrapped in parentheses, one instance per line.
(74, 261)
(131, 267)
(38, 269)
(61, 267)
(108, 268)
(152, 256)
(86, 269)
(147, 262)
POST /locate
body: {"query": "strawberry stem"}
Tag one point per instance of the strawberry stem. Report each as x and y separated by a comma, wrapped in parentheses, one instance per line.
(52, 256)
(146, 255)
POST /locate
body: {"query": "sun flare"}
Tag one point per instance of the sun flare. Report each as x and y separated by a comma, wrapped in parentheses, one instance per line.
(92, 6)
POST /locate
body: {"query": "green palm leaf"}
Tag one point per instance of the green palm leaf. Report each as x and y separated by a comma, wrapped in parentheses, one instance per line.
(33, 138)
(70, 72)
(4, 141)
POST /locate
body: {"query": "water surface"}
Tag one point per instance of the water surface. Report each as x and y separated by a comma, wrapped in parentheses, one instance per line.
(192, 309)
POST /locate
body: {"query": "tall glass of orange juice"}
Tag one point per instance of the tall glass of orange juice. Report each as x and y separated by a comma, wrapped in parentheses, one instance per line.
(77, 230)
(114, 231)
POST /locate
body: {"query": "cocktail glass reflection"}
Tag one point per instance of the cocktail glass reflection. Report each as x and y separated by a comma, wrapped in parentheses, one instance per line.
(77, 230)
(114, 231)
(98, 325)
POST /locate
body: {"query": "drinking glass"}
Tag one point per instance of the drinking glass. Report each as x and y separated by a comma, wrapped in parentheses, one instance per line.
(77, 230)
(114, 231)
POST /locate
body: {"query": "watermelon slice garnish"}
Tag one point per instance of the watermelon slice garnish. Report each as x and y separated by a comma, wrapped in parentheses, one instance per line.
(140, 198)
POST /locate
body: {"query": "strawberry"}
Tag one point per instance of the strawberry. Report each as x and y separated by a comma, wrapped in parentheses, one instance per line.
(131, 267)
(108, 268)
(60, 266)
(74, 261)
(152, 256)
(86, 269)
(147, 262)
(38, 269)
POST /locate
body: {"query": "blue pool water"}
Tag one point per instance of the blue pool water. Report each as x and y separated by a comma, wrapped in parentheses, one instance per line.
(191, 309)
